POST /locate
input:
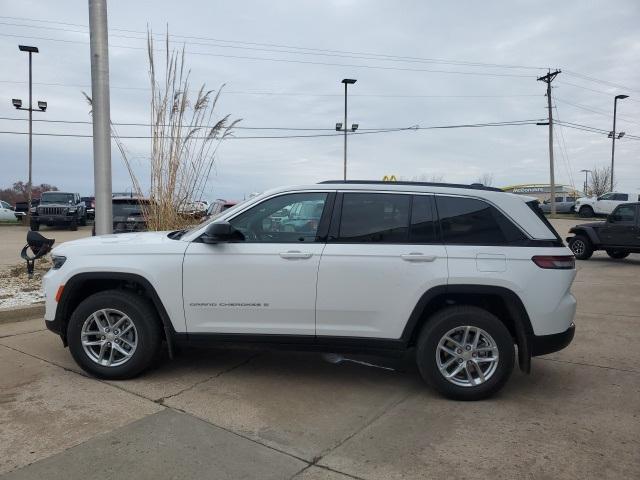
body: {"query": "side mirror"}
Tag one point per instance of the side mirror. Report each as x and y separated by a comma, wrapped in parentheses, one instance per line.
(599, 198)
(218, 232)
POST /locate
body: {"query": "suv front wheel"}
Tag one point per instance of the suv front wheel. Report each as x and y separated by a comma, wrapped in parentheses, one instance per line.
(114, 334)
(586, 212)
(581, 247)
(465, 353)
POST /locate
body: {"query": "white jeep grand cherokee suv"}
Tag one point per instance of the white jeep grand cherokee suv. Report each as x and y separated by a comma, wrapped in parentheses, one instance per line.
(458, 275)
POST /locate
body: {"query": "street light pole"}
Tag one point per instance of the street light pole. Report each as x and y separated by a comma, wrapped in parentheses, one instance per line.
(613, 139)
(42, 106)
(98, 39)
(346, 81)
(29, 189)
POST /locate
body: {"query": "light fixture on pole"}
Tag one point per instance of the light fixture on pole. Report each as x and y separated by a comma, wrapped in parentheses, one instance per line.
(613, 133)
(586, 173)
(42, 106)
(339, 126)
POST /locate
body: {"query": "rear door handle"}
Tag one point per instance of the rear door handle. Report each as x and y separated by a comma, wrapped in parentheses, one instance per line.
(293, 255)
(417, 257)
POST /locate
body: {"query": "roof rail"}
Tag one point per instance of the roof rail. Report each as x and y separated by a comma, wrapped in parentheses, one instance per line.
(474, 186)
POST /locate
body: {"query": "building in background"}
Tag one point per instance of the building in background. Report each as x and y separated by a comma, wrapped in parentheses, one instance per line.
(543, 191)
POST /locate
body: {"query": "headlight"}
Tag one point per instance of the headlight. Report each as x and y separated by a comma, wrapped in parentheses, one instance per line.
(58, 261)
(33, 209)
(72, 209)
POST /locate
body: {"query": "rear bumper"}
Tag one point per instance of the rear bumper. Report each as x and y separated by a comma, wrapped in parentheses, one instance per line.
(543, 344)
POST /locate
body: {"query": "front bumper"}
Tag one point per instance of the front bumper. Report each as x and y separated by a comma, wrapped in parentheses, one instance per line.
(54, 325)
(543, 344)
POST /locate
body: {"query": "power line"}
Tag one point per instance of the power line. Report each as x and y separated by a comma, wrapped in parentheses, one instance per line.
(608, 94)
(597, 80)
(595, 110)
(291, 50)
(599, 131)
(389, 130)
(141, 124)
(294, 94)
(280, 46)
(563, 150)
(296, 61)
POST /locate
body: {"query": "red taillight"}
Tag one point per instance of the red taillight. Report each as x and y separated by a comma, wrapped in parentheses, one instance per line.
(558, 262)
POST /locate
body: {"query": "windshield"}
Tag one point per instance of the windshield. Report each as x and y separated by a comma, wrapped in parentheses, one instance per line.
(127, 209)
(57, 198)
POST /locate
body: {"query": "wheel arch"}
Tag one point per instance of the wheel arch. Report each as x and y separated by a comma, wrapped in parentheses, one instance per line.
(500, 301)
(588, 232)
(82, 285)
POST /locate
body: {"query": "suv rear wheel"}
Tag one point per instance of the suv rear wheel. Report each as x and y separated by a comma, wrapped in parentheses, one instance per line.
(581, 247)
(465, 353)
(114, 334)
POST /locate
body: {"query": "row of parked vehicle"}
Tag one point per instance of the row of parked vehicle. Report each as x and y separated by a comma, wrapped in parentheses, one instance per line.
(70, 210)
(587, 207)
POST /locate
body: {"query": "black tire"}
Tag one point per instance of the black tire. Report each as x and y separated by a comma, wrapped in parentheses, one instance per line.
(618, 254)
(581, 247)
(73, 226)
(35, 226)
(586, 212)
(460, 316)
(147, 326)
(83, 221)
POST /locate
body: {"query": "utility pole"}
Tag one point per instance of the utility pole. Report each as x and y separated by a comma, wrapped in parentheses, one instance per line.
(98, 37)
(586, 179)
(548, 78)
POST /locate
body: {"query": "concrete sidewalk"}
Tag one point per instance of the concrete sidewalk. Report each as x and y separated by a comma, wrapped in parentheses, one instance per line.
(256, 414)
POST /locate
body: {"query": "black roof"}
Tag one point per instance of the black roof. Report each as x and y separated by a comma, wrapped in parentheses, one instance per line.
(474, 186)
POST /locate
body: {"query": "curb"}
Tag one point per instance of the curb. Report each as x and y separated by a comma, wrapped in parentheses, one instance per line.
(11, 315)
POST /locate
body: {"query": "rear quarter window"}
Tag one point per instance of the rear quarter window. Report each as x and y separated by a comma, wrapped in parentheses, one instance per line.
(473, 221)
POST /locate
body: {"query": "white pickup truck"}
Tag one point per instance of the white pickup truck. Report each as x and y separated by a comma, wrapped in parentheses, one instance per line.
(604, 204)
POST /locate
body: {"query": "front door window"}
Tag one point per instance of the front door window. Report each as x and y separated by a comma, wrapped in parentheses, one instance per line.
(291, 218)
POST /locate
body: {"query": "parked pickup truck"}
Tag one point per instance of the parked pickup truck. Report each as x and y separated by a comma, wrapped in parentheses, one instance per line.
(20, 208)
(59, 208)
(604, 204)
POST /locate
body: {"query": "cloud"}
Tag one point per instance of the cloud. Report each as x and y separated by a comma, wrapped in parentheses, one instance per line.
(574, 36)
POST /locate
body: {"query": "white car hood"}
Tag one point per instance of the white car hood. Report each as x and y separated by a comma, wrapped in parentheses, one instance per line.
(122, 243)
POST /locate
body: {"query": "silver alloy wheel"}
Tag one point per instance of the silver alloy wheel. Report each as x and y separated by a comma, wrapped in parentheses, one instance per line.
(467, 356)
(109, 337)
(578, 247)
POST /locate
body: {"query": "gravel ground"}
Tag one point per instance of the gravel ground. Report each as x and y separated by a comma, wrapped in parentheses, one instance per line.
(17, 289)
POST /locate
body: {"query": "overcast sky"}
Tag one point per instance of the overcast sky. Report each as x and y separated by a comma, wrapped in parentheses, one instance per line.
(600, 40)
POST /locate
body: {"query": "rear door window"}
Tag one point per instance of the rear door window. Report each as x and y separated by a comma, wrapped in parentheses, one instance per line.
(473, 221)
(374, 218)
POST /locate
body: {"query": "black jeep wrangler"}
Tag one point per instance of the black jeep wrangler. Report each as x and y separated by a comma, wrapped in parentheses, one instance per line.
(59, 208)
(618, 236)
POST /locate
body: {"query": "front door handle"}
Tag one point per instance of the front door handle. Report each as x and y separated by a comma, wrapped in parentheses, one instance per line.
(295, 255)
(417, 257)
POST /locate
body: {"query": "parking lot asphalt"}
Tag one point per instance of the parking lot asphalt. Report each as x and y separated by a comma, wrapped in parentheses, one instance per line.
(256, 414)
(14, 237)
